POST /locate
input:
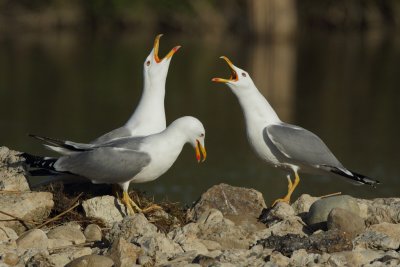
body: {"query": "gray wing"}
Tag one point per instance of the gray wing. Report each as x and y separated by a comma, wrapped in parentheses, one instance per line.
(117, 133)
(301, 145)
(105, 164)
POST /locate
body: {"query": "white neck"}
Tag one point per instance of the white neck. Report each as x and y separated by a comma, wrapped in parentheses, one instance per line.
(149, 116)
(255, 107)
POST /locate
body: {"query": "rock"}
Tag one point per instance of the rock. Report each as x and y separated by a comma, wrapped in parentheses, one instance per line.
(11, 172)
(230, 200)
(93, 233)
(145, 260)
(159, 247)
(91, 261)
(35, 238)
(131, 228)
(292, 225)
(302, 258)
(124, 254)
(68, 233)
(380, 210)
(320, 209)
(64, 256)
(329, 241)
(375, 240)
(277, 259)
(353, 258)
(29, 206)
(345, 221)
(389, 229)
(58, 243)
(279, 212)
(303, 203)
(383, 236)
(10, 259)
(204, 260)
(105, 208)
(7, 234)
(213, 226)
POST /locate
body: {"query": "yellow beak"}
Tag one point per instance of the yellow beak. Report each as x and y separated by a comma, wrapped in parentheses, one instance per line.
(234, 76)
(156, 48)
(200, 148)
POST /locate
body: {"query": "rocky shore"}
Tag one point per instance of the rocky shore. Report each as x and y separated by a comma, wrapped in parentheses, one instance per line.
(227, 226)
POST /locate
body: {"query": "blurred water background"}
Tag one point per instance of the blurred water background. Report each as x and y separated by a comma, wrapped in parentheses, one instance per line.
(73, 70)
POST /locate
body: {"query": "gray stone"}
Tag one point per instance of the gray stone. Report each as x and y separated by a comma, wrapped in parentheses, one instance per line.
(91, 261)
(320, 209)
(29, 206)
(68, 233)
(230, 200)
(124, 254)
(11, 172)
(93, 233)
(277, 259)
(130, 228)
(35, 238)
(303, 203)
(105, 208)
(345, 221)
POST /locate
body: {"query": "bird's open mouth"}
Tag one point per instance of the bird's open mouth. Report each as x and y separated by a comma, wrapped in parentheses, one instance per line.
(232, 78)
(200, 148)
(156, 48)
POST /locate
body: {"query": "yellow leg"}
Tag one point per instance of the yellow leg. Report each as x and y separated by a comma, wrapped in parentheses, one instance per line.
(291, 188)
(129, 203)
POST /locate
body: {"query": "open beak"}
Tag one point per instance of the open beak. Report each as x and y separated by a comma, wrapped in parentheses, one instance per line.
(200, 148)
(156, 48)
(234, 76)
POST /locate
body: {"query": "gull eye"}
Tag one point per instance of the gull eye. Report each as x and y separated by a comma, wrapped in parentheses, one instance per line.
(202, 135)
(244, 74)
(148, 63)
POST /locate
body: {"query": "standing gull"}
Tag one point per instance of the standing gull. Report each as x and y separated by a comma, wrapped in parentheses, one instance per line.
(149, 116)
(283, 145)
(125, 160)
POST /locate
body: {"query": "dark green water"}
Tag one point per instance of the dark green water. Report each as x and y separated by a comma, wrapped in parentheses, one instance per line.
(343, 88)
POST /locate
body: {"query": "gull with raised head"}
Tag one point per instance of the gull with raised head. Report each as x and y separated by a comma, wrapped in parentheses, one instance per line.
(280, 144)
(124, 160)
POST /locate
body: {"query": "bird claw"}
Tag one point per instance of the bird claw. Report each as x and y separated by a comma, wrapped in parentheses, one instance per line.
(285, 199)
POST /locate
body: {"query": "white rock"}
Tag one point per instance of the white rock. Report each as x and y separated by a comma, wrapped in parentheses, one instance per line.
(124, 254)
(93, 233)
(375, 240)
(35, 238)
(303, 203)
(159, 247)
(11, 173)
(353, 258)
(30, 206)
(63, 257)
(106, 208)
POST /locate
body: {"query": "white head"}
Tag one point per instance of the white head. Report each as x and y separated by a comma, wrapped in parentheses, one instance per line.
(155, 70)
(239, 80)
(195, 133)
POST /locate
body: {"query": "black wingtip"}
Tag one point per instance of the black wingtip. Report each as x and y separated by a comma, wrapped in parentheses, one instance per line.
(356, 177)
